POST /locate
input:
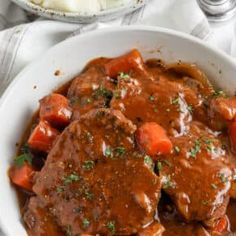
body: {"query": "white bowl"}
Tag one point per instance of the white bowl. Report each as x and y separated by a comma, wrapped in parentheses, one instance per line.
(21, 98)
(105, 15)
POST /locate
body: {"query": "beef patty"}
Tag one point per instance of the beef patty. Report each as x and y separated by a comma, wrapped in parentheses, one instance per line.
(95, 181)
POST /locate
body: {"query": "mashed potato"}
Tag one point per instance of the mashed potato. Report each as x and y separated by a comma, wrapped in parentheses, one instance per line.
(83, 6)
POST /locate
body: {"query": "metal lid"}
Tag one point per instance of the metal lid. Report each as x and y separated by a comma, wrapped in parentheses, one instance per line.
(218, 10)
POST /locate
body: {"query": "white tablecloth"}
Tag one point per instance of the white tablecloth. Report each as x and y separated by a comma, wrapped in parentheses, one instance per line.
(21, 44)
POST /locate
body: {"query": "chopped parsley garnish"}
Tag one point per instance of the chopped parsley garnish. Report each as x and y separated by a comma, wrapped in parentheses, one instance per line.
(85, 101)
(159, 166)
(168, 183)
(124, 75)
(177, 149)
(195, 149)
(114, 152)
(175, 101)
(86, 223)
(108, 152)
(117, 94)
(190, 108)
(71, 178)
(20, 160)
(102, 92)
(166, 162)
(155, 110)
(223, 178)
(26, 156)
(151, 98)
(120, 151)
(89, 136)
(69, 230)
(218, 93)
(88, 165)
(60, 189)
(214, 186)
(88, 195)
(111, 226)
(148, 161)
(88, 100)
(205, 202)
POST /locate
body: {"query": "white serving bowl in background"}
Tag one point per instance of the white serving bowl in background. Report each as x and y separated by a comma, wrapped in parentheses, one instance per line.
(37, 80)
(75, 17)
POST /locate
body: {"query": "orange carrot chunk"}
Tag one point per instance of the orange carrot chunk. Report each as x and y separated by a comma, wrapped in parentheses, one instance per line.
(22, 176)
(152, 138)
(42, 137)
(55, 109)
(130, 61)
(221, 225)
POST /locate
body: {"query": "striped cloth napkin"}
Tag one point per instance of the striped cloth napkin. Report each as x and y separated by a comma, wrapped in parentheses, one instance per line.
(21, 43)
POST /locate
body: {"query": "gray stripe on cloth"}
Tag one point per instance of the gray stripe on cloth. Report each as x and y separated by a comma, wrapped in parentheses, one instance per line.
(3, 22)
(202, 29)
(8, 52)
(132, 17)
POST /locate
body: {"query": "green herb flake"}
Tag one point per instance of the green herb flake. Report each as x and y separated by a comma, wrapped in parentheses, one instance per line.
(71, 179)
(175, 101)
(166, 162)
(26, 156)
(148, 161)
(159, 166)
(205, 202)
(120, 151)
(176, 149)
(88, 100)
(117, 94)
(151, 98)
(88, 165)
(60, 189)
(223, 178)
(218, 93)
(190, 108)
(89, 137)
(195, 149)
(88, 195)
(124, 76)
(102, 92)
(168, 183)
(155, 110)
(111, 226)
(20, 160)
(108, 152)
(214, 186)
(86, 223)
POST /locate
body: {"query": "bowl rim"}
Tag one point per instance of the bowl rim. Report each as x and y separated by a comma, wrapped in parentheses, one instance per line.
(123, 29)
(95, 33)
(37, 9)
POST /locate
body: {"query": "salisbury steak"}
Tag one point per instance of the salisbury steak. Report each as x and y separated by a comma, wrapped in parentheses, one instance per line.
(196, 175)
(94, 180)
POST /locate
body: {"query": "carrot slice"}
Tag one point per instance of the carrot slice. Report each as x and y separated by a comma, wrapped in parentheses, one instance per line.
(221, 225)
(22, 176)
(42, 137)
(55, 109)
(130, 61)
(152, 138)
